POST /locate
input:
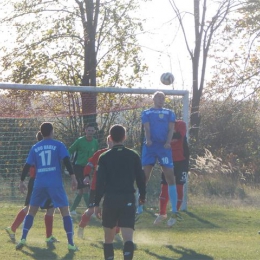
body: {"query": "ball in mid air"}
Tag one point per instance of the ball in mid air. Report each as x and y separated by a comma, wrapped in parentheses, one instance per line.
(167, 78)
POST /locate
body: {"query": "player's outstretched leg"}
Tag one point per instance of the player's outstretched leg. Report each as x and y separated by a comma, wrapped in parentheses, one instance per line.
(28, 222)
(17, 222)
(85, 218)
(164, 198)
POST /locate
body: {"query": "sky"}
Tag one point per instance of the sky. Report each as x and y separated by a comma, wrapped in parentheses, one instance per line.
(163, 44)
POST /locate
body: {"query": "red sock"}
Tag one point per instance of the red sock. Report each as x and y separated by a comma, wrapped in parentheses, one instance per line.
(164, 198)
(180, 195)
(48, 225)
(84, 220)
(117, 230)
(18, 220)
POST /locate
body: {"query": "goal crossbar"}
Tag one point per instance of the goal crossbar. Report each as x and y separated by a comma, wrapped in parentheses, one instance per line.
(53, 88)
(89, 89)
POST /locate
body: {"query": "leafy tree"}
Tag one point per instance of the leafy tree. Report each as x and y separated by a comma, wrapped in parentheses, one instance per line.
(73, 43)
(238, 69)
(206, 24)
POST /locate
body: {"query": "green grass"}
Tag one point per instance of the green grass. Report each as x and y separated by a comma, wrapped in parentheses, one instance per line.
(207, 232)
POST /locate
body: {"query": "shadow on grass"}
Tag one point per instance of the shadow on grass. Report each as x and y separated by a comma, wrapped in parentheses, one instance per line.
(185, 254)
(46, 253)
(188, 220)
(40, 253)
(201, 220)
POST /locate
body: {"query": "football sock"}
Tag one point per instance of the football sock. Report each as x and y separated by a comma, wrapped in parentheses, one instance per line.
(84, 220)
(173, 197)
(86, 197)
(140, 209)
(18, 220)
(108, 252)
(68, 226)
(76, 202)
(28, 222)
(180, 195)
(164, 198)
(48, 225)
(128, 250)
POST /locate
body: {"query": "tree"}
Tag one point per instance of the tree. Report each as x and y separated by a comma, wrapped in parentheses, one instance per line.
(205, 29)
(73, 43)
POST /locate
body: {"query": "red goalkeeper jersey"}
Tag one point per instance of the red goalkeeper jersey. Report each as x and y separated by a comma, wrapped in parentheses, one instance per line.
(92, 164)
(177, 144)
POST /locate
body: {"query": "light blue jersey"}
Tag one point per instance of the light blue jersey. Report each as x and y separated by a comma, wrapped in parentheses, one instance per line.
(46, 156)
(159, 120)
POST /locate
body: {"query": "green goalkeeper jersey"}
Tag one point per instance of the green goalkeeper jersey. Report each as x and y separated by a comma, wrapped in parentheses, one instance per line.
(84, 149)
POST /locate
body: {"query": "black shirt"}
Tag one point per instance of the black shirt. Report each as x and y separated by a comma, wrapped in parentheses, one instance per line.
(118, 169)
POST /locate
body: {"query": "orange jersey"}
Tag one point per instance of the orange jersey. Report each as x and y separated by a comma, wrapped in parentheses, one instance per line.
(32, 172)
(92, 164)
(177, 144)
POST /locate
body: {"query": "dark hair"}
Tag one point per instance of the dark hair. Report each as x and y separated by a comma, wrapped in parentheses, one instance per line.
(117, 133)
(46, 129)
(39, 136)
(91, 125)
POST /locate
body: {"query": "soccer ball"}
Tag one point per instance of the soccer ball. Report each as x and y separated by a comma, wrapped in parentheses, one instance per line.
(167, 78)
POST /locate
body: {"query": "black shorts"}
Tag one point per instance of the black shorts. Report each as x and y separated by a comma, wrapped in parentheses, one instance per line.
(91, 200)
(79, 173)
(119, 210)
(48, 203)
(180, 173)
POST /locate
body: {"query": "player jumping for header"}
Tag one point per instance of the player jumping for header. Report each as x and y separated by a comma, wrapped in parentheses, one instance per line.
(158, 125)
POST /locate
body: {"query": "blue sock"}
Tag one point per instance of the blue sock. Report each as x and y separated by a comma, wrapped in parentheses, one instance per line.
(173, 197)
(140, 209)
(28, 222)
(68, 226)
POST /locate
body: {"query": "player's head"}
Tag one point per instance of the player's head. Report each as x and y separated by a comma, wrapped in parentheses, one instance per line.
(46, 129)
(90, 130)
(39, 136)
(158, 99)
(109, 142)
(117, 133)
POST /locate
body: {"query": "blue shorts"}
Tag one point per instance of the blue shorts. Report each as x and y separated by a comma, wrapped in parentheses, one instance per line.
(157, 151)
(56, 194)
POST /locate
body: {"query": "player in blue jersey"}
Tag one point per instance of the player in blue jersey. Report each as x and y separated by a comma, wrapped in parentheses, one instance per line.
(46, 156)
(158, 123)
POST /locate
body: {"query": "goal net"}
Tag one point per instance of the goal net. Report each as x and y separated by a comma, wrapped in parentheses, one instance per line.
(24, 107)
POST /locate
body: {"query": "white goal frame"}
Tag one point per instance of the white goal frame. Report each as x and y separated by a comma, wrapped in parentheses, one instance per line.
(54, 88)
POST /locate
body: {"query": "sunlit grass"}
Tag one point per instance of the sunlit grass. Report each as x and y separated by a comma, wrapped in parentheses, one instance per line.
(208, 232)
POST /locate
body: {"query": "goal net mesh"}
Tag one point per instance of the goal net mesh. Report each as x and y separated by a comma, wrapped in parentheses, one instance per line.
(23, 111)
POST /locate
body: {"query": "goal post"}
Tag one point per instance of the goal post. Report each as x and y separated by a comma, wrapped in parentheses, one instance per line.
(122, 114)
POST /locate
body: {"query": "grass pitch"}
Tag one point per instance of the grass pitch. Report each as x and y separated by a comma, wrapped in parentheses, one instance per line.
(208, 232)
